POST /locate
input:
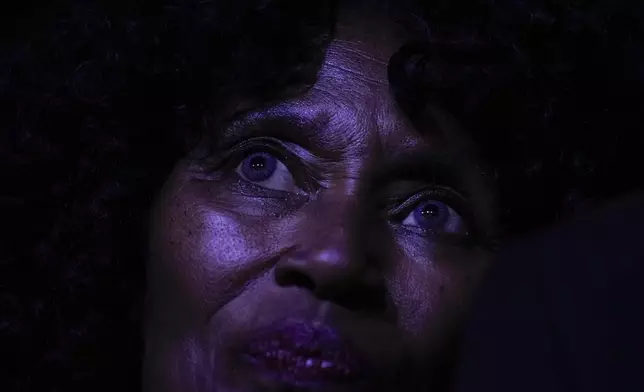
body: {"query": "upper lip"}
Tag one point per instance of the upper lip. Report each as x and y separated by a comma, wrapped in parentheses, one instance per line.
(303, 352)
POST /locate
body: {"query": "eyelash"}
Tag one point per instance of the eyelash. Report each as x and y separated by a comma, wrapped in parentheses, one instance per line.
(438, 193)
(457, 202)
(302, 175)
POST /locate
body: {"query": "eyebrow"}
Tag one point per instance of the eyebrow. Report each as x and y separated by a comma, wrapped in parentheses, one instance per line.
(422, 167)
(291, 122)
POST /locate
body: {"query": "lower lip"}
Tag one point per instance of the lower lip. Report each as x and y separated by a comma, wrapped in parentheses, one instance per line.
(281, 367)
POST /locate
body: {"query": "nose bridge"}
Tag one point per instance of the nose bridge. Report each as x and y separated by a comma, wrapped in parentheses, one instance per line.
(334, 219)
(330, 247)
(330, 258)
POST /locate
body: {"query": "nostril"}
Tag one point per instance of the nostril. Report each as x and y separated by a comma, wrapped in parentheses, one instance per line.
(355, 297)
(366, 299)
(291, 277)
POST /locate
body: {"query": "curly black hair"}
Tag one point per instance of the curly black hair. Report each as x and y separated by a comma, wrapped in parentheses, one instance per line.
(100, 98)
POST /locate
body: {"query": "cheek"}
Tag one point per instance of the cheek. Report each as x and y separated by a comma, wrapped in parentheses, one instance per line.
(432, 289)
(200, 257)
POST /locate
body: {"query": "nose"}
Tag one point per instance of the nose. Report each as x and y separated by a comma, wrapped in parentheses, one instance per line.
(332, 258)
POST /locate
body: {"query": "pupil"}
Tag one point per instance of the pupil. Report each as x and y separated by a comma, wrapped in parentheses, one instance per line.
(259, 167)
(430, 210)
(258, 162)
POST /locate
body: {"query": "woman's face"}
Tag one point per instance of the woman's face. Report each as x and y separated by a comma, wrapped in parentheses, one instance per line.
(326, 244)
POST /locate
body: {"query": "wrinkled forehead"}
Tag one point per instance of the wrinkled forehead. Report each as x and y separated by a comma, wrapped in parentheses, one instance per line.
(353, 80)
(377, 30)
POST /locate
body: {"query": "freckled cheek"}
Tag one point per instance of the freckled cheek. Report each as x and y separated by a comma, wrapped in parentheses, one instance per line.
(466, 269)
(198, 255)
(432, 290)
(418, 292)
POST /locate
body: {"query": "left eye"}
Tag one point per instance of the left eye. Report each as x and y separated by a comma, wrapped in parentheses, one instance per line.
(265, 170)
(434, 216)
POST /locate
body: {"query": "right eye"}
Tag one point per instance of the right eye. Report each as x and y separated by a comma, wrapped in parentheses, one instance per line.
(433, 212)
(266, 170)
(434, 216)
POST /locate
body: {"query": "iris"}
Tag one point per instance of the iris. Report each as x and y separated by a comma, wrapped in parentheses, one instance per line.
(259, 166)
(431, 214)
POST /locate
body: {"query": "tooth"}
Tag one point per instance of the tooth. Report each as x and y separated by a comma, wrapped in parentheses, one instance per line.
(326, 364)
(311, 362)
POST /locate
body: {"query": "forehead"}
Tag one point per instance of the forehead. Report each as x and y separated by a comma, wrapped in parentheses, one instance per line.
(350, 112)
(354, 91)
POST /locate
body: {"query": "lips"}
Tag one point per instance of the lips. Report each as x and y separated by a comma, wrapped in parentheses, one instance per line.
(303, 353)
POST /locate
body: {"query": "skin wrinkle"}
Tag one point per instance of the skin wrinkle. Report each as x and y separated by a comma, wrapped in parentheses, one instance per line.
(355, 49)
(311, 113)
(217, 249)
(356, 74)
(384, 119)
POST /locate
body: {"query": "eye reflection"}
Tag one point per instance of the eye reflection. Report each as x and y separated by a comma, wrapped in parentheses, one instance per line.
(264, 169)
(434, 216)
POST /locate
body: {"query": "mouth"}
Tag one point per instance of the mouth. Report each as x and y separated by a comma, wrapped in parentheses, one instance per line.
(303, 355)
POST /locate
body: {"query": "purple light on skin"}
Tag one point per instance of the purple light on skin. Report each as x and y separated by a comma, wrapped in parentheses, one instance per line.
(303, 354)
